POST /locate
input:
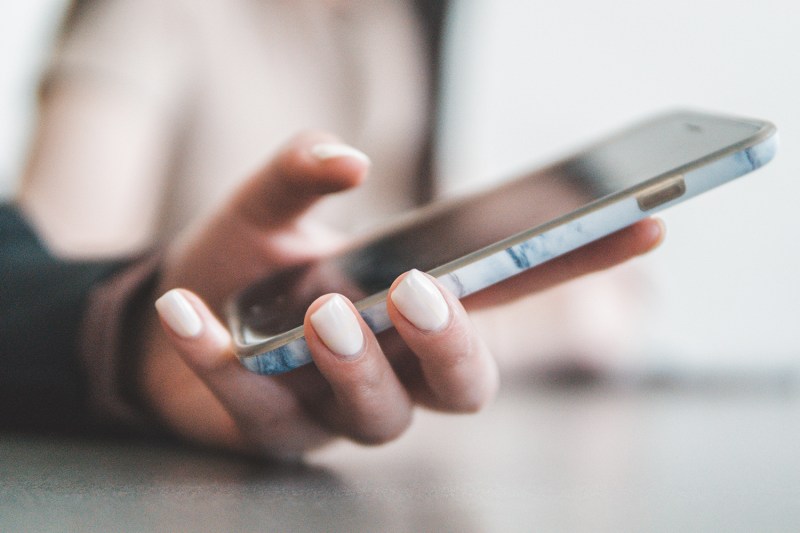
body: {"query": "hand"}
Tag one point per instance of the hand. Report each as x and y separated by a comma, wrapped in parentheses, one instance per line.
(360, 387)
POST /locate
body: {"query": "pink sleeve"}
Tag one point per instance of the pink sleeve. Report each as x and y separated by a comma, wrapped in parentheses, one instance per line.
(105, 346)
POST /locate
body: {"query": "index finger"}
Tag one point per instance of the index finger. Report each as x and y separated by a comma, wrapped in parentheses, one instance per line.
(308, 167)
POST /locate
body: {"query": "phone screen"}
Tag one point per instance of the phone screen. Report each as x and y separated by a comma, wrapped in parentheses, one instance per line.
(444, 233)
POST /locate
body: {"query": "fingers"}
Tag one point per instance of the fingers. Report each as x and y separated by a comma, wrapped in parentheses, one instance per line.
(260, 229)
(614, 249)
(263, 418)
(458, 370)
(368, 404)
(307, 168)
(361, 397)
(460, 373)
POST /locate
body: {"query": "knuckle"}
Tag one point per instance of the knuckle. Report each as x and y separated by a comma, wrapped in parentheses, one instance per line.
(461, 348)
(364, 379)
(376, 413)
(450, 361)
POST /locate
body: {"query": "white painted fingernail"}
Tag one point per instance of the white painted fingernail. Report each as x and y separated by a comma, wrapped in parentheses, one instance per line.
(421, 302)
(338, 327)
(325, 151)
(179, 314)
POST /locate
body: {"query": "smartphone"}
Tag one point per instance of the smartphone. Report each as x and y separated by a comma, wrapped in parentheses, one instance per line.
(471, 243)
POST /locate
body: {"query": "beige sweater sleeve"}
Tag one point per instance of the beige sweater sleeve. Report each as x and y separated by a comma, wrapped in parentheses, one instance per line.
(107, 118)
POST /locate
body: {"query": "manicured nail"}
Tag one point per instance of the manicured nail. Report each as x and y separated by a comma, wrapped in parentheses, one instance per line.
(338, 327)
(324, 151)
(179, 314)
(420, 301)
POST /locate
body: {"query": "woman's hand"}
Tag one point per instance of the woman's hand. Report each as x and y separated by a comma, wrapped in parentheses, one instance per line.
(361, 387)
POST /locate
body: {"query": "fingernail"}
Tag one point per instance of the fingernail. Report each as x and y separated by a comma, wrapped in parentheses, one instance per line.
(421, 302)
(179, 314)
(325, 151)
(338, 327)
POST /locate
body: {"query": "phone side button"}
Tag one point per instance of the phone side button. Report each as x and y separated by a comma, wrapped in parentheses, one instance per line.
(661, 193)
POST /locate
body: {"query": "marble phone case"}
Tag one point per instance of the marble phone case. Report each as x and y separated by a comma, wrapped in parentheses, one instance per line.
(529, 249)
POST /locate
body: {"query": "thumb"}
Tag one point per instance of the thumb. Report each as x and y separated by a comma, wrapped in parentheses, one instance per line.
(310, 166)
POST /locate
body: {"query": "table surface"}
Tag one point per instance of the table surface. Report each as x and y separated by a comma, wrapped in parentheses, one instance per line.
(591, 458)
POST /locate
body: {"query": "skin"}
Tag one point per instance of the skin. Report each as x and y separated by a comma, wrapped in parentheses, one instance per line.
(201, 392)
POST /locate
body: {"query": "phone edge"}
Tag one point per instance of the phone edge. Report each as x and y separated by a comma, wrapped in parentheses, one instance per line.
(518, 253)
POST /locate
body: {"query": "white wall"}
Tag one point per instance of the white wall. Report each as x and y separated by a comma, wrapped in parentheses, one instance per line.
(533, 78)
(26, 30)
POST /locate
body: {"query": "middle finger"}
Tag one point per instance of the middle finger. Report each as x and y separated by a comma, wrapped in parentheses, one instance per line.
(369, 404)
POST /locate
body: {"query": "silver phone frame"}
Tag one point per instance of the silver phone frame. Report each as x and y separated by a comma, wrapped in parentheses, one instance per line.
(765, 137)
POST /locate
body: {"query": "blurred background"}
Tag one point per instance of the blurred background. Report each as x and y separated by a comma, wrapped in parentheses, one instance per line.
(529, 80)
(526, 81)
(27, 30)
